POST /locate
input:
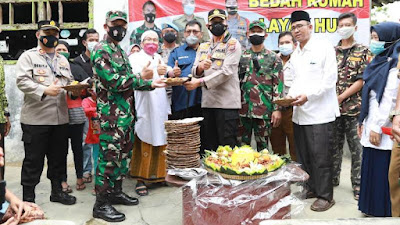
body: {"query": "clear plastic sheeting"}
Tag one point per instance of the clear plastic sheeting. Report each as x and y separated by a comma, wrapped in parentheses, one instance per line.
(215, 200)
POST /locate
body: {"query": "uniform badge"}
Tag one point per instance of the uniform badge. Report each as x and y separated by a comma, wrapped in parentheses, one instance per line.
(218, 62)
(357, 59)
(41, 79)
(62, 64)
(242, 23)
(203, 57)
(40, 71)
(204, 46)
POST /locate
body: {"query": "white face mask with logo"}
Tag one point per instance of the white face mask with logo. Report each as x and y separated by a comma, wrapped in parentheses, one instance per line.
(91, 45)
(346, 32)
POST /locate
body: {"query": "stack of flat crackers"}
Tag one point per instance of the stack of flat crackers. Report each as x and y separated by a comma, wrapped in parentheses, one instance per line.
(183, 138)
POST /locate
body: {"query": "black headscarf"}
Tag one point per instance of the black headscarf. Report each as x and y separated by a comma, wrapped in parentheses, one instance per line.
(377, 72)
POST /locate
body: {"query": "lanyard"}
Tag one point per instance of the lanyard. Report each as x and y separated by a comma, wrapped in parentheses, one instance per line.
(49, 63)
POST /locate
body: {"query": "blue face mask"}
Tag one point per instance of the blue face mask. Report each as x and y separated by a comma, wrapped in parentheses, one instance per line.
(286, 49)
(377, 47)
(188, 9)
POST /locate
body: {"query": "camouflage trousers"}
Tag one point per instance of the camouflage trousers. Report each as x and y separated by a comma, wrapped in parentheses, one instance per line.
(346, 126)
(115, 150)
(261, 128)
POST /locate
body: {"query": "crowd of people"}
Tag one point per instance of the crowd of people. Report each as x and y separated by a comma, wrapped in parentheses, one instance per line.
(348, 91)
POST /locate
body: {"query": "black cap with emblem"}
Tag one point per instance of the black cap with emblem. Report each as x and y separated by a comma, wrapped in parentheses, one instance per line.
(48, 25)
(300, 15)
(216, 13)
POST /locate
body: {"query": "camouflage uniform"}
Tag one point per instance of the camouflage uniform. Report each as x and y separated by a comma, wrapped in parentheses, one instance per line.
(258, 91)
(137, 35)
(350, 69)
(115, 106)
(238, 27)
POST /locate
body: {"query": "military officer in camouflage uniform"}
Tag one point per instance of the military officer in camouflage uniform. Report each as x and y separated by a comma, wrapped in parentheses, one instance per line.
(149, 14)
(237, 25)
(115, 83)
(261, 80)
(216, 70)
(352, 58)
(180, 22)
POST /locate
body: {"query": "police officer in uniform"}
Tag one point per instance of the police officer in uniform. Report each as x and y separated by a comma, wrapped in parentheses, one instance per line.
(44, 116)
(216, 70)
(237, 25)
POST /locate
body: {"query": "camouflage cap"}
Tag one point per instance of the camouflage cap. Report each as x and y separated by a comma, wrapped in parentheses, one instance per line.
(48, 25)
(116, 15)
(257, 23)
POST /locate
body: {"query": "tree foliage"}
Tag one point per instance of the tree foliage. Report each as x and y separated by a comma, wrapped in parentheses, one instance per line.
(376, 3)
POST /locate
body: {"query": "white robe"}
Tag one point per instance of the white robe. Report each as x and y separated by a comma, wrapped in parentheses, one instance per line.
(152, 107)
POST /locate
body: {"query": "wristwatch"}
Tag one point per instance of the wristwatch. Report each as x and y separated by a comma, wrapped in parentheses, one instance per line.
(393, 114)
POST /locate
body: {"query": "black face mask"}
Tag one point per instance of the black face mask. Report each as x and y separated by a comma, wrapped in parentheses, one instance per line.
(150, 17)
(218, 29)
(256, 39)
(49, 41)
(169, 37)
(232, 10)
(117, 33)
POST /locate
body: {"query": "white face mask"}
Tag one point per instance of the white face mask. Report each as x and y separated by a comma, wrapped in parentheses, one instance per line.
(91, 45)
(286, 49)
(259, 34)
(346, 32)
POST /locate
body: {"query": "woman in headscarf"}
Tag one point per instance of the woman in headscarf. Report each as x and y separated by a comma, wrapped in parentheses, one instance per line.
(152, 109)
(378, 99)
(135, 48)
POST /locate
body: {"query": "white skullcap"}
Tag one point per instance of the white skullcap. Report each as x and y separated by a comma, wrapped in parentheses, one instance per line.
(148, 33)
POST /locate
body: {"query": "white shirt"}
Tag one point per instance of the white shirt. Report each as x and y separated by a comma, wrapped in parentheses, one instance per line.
(152, 107)
(378, 114)
(288, 76)
(315, 70)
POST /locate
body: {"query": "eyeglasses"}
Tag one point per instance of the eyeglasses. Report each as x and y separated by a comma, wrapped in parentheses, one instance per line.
(195, 32)
(297, 27)
(150, 39)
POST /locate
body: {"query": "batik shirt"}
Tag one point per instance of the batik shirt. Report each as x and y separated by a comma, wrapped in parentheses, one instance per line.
(351, 64)
(259, 89)
(115, 83)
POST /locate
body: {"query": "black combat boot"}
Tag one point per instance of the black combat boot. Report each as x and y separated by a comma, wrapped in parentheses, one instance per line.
(28, 193)
(57, 195)
(102, 209)
(117, 197)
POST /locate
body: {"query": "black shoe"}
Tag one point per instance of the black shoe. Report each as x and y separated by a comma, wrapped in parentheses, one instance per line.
(28, 194)
(102, 209)
(62, 198)
(120, 198)
(117, 197)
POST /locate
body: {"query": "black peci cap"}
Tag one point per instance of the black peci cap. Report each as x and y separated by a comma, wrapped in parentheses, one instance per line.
(300, 15)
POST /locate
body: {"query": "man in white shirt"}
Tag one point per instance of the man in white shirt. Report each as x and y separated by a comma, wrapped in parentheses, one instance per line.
(315, 108)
